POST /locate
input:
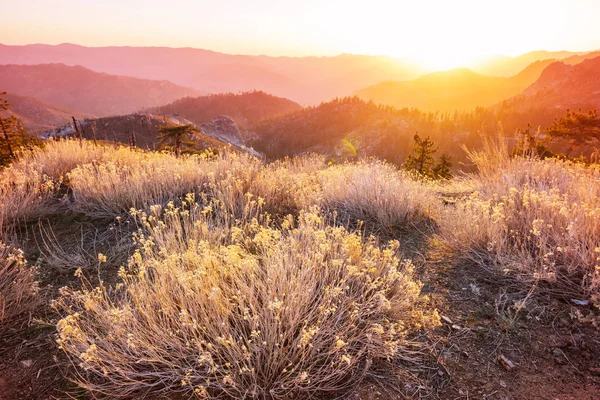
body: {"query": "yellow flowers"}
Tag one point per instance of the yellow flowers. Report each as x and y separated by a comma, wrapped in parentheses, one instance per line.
(239, 300)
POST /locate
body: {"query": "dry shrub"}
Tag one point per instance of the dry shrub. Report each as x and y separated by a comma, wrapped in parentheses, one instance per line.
(377, 193)
(56, 158)
(29, 186)
(136, 179)
(537, 219)
(216, 306)
(18, 287)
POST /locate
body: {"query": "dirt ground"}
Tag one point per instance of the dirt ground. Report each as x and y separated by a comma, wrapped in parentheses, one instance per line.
(487, 347)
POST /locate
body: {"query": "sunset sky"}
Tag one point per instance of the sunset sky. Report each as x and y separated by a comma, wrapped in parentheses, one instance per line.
(445, 32)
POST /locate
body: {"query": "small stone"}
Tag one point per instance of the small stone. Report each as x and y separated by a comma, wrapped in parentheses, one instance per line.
(580, 302)
(557, 352)
(447, 320)
(503, 384)
(505, 362)
(26, 363)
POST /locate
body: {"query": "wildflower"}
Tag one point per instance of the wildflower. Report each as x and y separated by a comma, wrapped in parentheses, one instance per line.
(101, 258)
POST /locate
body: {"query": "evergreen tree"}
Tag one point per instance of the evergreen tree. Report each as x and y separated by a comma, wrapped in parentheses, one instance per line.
(179, 136)
(421, 159)
(578, 127)
(442, 169)
(532, 144)
(13, 136)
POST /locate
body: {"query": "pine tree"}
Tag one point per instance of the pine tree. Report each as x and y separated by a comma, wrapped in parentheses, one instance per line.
(442, 168)
(13, 136)
(532, 144)
(421, 159)
(576, 126)
(179, 136)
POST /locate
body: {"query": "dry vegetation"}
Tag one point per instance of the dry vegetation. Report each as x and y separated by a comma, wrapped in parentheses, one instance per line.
(535, 219)
(18, 287)
(250, 280)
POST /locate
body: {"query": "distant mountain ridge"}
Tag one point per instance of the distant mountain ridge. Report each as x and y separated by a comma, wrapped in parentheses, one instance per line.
(562, 86)
(454, 90)
(87, 92)
(308, 80)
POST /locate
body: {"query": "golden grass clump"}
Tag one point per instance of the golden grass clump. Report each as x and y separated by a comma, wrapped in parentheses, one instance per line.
(18, 287)
(377, 193)
(215, 306)
(28, 187)
(136, 179)
(536, 218)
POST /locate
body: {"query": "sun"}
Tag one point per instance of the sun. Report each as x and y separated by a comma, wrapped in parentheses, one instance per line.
(443, 59)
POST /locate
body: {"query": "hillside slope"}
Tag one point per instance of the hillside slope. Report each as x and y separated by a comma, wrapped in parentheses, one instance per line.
(142, 130)
(562, 86)
(88, 92)
(243, 108)
(457, 89)
(38, 116)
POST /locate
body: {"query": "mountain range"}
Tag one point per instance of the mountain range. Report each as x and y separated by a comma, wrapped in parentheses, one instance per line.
(460, 89)
(306, 80)
(562, 86)
(84, 91)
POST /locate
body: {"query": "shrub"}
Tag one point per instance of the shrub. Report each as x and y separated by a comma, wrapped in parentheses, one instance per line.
(537, 219)
(136, 179)
(29, 186)
(212, 306)
(18, 287)
(377, 193)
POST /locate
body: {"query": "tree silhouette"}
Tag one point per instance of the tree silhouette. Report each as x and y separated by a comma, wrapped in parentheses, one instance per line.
(421, 158)
(14, 135)
(532, 144)
(441, 170)
(179, 136)
(577, 127)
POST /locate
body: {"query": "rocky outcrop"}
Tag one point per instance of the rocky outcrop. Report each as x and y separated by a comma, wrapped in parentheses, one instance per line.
(224, 129)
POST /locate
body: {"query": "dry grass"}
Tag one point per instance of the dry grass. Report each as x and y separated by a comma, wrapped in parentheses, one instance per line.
(18, 287)
(533, 218)
(212, 306)
(379, 194)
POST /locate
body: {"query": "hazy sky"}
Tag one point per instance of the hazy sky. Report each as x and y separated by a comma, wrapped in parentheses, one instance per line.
(424, 30)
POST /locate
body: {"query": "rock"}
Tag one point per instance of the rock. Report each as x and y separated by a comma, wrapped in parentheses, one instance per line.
(505, 362)
(224, 129)
(557, 352)
(580, 302)
(26, 363)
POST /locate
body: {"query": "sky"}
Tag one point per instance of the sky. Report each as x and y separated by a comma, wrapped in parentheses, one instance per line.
(453, 32)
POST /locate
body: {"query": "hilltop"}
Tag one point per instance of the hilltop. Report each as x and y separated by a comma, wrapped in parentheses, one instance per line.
(87, 92)
(243, 108)
(142, 130)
